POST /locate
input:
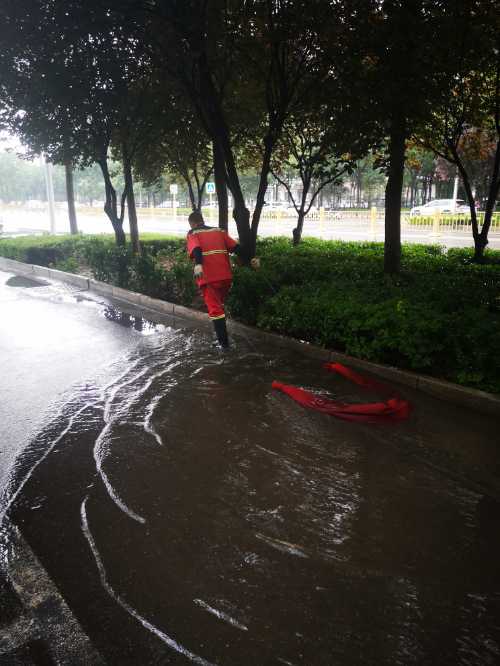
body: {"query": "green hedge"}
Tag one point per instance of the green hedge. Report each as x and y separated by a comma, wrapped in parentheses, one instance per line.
(41, 250)
(440, 316)
(163, 270)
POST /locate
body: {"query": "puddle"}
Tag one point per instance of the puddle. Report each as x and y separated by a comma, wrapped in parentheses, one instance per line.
(188, 513)
(139, 324)
(26, 282)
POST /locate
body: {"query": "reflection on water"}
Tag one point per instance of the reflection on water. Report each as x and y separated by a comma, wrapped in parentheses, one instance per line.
(224, 524)
(139, 324)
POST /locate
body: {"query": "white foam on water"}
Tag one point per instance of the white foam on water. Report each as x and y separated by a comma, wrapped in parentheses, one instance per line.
(148, 426)
(172, 643)
(102, 446)
(220, 614)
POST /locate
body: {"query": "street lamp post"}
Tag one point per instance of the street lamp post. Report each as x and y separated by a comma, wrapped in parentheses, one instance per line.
(49, 184)
(455, 193)
(173, 192)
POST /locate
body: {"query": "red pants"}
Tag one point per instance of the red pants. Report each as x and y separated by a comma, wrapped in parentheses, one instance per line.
(214, 294)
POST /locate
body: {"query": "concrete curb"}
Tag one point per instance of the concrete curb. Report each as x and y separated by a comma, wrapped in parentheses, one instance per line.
(63, 640)
(480, 401)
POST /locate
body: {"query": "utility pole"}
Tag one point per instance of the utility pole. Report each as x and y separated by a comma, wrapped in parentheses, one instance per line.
(49, 183)
(455, 193)
(70, 196)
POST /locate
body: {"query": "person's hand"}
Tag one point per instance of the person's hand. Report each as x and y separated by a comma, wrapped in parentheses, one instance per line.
(198, 271)
(255, 263)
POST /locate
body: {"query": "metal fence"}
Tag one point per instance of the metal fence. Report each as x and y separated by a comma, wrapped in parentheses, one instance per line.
(368, 224)
(454, 221)
(459, 222)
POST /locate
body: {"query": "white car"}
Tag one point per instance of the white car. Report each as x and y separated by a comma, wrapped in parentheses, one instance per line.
(440, 206)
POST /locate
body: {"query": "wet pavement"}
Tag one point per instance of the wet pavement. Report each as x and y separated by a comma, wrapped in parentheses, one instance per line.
(50, 338)
(189, 513)
(25, 221)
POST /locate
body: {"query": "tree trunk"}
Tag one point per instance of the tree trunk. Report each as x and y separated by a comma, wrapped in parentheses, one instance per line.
(480, 237)
(131, 209)
(110, 204)
(261, 193)
(221, 186)
(241, 214)
(219, 133)
(70, 195)
(192, 199)
(489, 209)
(429, 189)
(306, 178)
(297, 232)
(393, 192)
(201, 187)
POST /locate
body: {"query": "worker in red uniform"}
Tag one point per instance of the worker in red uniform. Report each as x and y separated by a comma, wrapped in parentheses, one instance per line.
(209, 247)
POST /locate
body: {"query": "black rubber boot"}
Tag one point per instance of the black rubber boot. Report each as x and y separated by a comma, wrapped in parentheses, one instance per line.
(221, 332)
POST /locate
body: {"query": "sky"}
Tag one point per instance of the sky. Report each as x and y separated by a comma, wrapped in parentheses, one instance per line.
(10, 142)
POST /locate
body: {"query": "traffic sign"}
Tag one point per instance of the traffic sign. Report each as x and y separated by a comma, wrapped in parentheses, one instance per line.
(174, 189)
(210, 188)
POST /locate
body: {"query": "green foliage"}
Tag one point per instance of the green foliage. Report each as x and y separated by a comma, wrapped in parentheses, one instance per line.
(162, 270)
(440, 316)
(179, 272)
(69, 265)
(41, 250)
(108, 261)
(20, 180)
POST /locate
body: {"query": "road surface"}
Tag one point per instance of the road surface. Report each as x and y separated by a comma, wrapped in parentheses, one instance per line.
(188, 513)
(157, 221)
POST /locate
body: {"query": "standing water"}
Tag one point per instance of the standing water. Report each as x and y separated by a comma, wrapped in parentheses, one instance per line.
(189, 513)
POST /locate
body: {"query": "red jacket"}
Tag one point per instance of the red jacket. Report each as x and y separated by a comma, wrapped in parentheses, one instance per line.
(215, 245)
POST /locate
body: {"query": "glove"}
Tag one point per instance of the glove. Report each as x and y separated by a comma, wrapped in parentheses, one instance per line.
(255, 263)
(198, 271)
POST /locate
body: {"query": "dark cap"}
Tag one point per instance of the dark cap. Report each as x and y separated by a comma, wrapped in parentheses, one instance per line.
(196, 218)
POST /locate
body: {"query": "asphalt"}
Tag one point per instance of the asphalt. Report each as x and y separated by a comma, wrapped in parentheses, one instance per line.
(348, 229)
(36, 625)
(58, 348)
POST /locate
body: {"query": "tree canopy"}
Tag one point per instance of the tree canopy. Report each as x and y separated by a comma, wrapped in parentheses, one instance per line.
(196, 87)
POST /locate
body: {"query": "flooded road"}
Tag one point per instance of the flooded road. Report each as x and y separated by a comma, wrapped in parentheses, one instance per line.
(189, 513)
(50, 338)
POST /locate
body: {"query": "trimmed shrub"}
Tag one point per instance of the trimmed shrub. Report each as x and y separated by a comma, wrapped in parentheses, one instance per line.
(440, 315)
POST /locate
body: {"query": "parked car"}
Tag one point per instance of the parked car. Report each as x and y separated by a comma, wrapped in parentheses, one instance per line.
(440, 206)
(275, 206)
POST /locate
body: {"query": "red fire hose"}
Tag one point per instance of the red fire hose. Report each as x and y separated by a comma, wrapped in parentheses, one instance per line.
(393, 408)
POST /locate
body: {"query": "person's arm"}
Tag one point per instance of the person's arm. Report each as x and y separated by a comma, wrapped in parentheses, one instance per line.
(195, 252)
(233, 246)
(239, 251)
(197, 255)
